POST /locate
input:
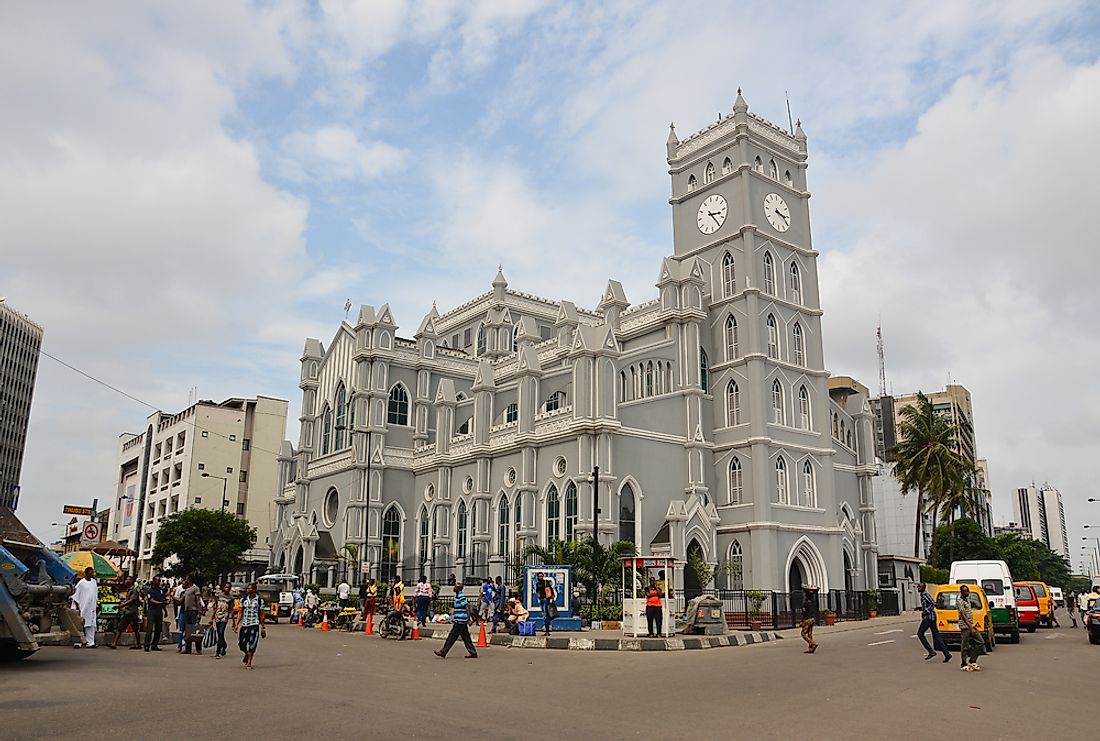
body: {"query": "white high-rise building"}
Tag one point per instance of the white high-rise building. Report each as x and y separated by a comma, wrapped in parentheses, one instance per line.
(1040, 513)
(20, 340)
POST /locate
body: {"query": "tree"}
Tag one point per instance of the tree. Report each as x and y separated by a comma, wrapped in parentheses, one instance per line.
(925, 460)
(349, 555)
(591, 565)
(964, 540)
(1019, 555)
(202, 543)
(704, 572)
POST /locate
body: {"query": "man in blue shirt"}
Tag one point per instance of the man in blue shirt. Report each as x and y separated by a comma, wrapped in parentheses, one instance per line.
(928, 622)
(460, 627)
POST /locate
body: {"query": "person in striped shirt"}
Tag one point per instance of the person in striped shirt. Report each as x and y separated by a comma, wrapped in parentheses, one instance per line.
(459, 627)
(928, 623)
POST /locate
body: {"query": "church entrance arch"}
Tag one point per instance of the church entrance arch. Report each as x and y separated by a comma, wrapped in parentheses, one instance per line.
(692, 587)
(299, 561)
(806, 567)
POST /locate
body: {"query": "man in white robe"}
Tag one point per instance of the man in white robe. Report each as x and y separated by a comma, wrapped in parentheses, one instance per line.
(86, 599)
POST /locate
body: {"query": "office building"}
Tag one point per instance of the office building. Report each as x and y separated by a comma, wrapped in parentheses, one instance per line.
(20, 342)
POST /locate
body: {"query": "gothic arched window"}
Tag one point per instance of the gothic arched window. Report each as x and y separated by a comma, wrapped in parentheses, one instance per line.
(397, 411)
(649, 378)
(626, 514)
(777, 403)
(727, 166)
(803, 408)
(736, 482)
(341, 416)
(758, 165)
(769, 274)
(735, 570)
(731, 338)
(708, 174)
(691, 183)
(704, 371)
(773, 171)
(809, 484)
(733, 404)
(729, 276)
(553, 515)
(463, 528)
(326, 430)
(781, 483)
(787, 178)
(799, 345)
(504, 530)
(481, 340)
(796, 283)
(773, 337)
(571, 511)
(424, 539)
(391, 544)
(511, 412)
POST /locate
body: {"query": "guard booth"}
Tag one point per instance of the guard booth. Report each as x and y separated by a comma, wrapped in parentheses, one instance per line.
(636, 574)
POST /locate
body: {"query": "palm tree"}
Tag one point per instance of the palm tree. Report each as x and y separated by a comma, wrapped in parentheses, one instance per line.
(925, 460)
(592, 566)
(960, 499)
(349, 554)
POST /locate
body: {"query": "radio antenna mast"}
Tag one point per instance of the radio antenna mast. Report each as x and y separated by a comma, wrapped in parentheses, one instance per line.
(790, 120)
(881, 361)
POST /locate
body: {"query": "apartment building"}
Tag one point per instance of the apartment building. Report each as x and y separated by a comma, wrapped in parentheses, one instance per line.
(1042, 517)
(20, 341)
(211, 455)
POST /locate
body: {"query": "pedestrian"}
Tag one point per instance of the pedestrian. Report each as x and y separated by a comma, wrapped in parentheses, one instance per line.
(1071, 608)
(155, 600)
(342, 593)
(500, 604)
(654, 609)
(86, 599)
(191, 604)
(371, 603)
(486, 607)
(809, 617)
(423, 594)
(248, 623)
(544, 589)
(363, 598)
(219, 618)
(968, 634)
(129, 606)
(459, 627)
(517, 614)
(177, 605)
(928, 623)
(398, 594)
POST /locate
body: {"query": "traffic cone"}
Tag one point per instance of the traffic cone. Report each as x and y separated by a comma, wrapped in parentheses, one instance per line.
(324, 623)
(369, 629)
(482, 641)
(416, 632)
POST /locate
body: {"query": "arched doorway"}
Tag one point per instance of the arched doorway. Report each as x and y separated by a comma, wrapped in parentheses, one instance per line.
(805, 567)
(796, 578)
(692, 587)
(299, 562)
(847, 572)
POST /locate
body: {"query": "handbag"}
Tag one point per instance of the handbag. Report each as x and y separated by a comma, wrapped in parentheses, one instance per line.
(210, 637)
(552, 611)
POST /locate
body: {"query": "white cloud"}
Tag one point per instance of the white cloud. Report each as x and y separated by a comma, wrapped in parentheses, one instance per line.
(336, 153)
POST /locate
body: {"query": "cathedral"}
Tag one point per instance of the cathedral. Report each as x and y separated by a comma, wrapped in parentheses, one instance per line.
(702, 420)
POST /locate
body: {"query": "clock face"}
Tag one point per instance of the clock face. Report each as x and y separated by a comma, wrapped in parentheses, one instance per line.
(712, 214)
(777, 213)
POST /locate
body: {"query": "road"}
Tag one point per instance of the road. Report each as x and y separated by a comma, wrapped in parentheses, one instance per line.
(865, 682)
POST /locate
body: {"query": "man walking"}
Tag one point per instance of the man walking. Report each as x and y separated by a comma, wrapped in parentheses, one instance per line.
(500, 605)
(486, 607)
(189, 601)
(928, 622)
(1071, 608)
(459, 627)
(249, 624)
(342, 593)
(129, 607)
(968, 634)
(809, 618)
(654, 609)
(177, 605)
(219, 618)
(86, 599)
(155, 601)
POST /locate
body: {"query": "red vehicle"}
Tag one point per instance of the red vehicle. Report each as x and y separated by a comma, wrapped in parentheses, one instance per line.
(1027, 607)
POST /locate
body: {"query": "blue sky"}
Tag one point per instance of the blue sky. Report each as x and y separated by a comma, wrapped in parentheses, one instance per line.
(191, 190)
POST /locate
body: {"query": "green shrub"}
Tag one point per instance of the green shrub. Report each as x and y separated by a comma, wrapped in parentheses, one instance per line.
(932, 575)
(602, 612)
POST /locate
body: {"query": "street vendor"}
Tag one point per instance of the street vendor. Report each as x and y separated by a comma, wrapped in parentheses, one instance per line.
(128, 607)
(517, 614)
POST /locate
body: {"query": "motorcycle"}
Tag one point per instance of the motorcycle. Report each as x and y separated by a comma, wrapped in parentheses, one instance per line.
(393, 625)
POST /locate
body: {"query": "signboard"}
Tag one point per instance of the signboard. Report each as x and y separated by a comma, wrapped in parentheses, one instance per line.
(89, 535)
(562, 578)
(73, 509)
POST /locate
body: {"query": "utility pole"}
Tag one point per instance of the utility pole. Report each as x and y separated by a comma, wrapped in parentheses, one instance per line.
(595, 531)
(881, 362)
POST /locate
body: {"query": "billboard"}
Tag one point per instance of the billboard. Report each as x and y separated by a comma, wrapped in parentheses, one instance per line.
(562, 578)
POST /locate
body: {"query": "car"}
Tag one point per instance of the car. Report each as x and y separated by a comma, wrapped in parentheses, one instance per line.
(1056, 593)
(1046, 602)
(1027, 607)
(1092, 623)
(995, 580)
(947, 614)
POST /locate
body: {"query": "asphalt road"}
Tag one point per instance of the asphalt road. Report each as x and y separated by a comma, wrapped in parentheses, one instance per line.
(865, 682)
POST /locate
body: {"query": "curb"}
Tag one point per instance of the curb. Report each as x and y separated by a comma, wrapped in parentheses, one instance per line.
(571, 643)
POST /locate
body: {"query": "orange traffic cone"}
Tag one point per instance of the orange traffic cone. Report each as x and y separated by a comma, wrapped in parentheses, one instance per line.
(324, 623)
(482, 641)
(369, 630)
(416, 632)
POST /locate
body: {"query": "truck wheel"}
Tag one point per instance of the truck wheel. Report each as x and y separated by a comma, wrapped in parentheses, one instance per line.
(990, 642)
(1031, 629)
(1094, 638)
(1016, 636)
(12, 652)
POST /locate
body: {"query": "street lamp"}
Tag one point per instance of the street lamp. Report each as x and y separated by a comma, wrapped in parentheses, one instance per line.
(225, 482)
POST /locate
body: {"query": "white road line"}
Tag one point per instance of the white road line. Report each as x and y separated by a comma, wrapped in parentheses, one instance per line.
(888, 632)
(880, 643)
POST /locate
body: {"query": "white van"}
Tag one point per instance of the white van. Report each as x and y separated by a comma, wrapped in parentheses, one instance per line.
(996, 581)
(1056, 593)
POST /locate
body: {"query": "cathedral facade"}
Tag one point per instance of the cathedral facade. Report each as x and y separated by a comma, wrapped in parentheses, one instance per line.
(702, 420)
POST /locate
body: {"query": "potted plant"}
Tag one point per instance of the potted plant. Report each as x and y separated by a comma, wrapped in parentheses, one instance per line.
(756, 600)
(829, 616)
(872, 603)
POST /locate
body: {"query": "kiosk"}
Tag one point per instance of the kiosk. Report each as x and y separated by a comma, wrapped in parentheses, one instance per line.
(636, 574)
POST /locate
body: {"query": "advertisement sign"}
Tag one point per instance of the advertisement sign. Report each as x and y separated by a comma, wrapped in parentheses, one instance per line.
(73, 509)
(562, 579)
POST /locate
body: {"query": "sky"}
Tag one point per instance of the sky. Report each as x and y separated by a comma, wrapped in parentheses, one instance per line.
(188, 190)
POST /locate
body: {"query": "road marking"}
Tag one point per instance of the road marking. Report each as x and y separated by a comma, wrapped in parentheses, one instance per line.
(888, 632)
(880, 643)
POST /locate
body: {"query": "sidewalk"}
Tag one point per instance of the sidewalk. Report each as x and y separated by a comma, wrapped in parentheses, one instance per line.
(848, 625)
(611, 640)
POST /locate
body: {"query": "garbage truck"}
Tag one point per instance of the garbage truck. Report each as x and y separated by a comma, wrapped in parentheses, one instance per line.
(35, 587)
